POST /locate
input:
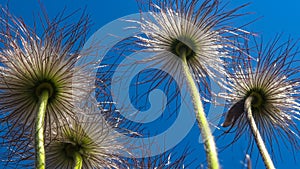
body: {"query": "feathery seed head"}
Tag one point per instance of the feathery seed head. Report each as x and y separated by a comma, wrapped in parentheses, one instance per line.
(273, 83)
(91, 137)
(191, 29)
(31, 64)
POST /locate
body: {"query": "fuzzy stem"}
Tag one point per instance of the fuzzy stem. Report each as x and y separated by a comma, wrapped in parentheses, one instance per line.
(78, 161)
(209, 143)
(258, 139)
(39, 130)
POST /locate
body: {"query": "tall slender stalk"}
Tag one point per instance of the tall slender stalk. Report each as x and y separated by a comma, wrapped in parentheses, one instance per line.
(210, 147)
(39, 130)
(78, 161)
(258, 139)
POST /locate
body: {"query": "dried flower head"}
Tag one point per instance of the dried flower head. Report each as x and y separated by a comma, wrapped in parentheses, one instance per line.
(272, 80)
(196, 28)
(31, 64)
(98, 144)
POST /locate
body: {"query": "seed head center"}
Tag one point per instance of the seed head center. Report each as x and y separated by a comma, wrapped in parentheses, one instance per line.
(70, 149)
(178, 48)
(44, 86)
(258, 99)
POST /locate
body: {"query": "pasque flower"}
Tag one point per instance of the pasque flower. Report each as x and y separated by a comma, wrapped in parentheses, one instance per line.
(196, 27)
(271, 82)
(190, 38)
(37, 74)
(89, 142)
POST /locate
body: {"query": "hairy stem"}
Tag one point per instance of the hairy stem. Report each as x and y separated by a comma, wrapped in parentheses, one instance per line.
(258, 139)
(208, 139)
(78, 161)
(39, 130)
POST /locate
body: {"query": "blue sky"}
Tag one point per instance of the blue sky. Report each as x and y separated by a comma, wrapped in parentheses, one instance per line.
(276, 17)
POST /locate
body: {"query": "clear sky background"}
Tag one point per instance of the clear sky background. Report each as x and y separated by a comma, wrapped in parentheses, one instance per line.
(277, 16)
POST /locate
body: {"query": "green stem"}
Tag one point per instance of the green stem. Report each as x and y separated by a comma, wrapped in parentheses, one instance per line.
(209, 143)
(78, 161)
(259, 141)
(39, 130)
